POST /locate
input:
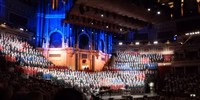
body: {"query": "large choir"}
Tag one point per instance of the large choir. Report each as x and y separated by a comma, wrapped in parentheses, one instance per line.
(33, 63)
(135, 70)
(92, 80)
(131, 60)
(16, 49)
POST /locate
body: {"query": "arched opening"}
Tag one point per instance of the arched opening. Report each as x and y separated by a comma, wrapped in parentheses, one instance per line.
(101, 45)
(84, 42)
(55, 40)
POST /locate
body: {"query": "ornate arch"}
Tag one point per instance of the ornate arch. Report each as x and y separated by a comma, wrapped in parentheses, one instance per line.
(85, 43)
(55, 39)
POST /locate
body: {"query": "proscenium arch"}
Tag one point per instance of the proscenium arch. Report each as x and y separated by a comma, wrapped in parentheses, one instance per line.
(84, 41)
(55, 39)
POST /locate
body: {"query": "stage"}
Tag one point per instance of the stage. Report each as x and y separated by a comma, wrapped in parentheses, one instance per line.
(121, 97)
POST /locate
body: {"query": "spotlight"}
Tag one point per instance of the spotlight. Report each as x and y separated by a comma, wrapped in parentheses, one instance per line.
(120, 43)
(149, 9)
(120, 29)
(106, 26)
(101, 15)
(158, 12)
(155, 42)
(171, 15)
(196, 32)
(137, 43)
(92, 23)
(82, 30)
(21, 29)
(187, 34)
(192, 95)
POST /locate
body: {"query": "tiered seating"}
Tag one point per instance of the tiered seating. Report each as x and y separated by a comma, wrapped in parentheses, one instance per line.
(92, 80)
(181, 84)
(130, 60)
(32, 63)
(15, 49)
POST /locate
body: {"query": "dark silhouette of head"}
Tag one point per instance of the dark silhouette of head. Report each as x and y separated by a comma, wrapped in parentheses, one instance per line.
(68, 94)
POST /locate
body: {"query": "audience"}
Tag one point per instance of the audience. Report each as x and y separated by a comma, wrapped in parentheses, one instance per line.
(181, 84)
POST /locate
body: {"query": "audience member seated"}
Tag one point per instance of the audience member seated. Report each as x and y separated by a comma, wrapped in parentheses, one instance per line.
(180, 84)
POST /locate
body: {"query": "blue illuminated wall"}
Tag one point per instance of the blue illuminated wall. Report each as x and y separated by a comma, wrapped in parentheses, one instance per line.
(53, 32)
(2, 8)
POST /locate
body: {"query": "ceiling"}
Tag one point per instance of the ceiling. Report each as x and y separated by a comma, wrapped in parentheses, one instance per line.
(118, 16)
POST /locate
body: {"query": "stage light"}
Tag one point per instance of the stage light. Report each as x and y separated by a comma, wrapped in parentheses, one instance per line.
(102, 15)
(120, 29)
(151, 84)
(158, 12)
(196, 32)
(137, 43)
(4, 23)
(192, 95)
(21, 29)
(149, 9)
(82, 30)
(92, 23)
(107, 26)
(92, 32)
(120, 43)
(171, 15)
(187, 34)
(155, 42)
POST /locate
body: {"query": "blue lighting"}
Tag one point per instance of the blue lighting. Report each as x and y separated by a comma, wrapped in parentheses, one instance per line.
(56, 40)
(52, 29)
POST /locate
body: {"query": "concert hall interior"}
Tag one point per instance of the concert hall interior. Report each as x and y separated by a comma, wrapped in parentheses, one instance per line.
(99, 49)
